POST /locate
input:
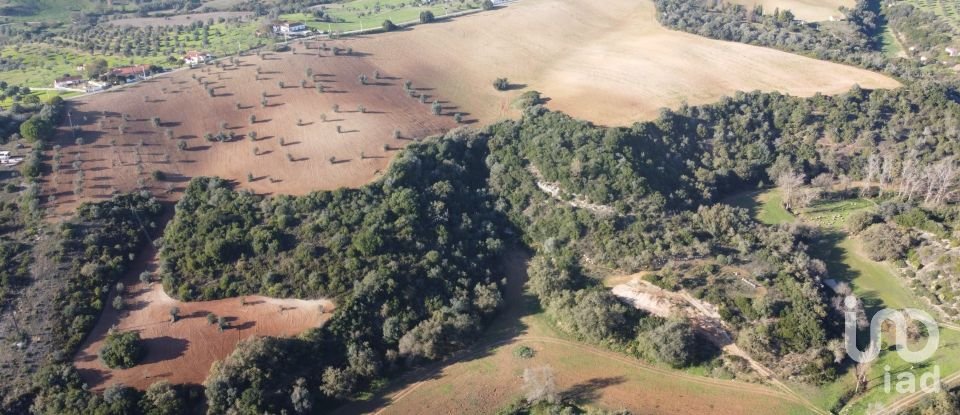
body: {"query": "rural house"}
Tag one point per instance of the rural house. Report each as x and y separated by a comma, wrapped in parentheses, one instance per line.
(289, 28)
(130, 73)
(94, 86)
(195, 58)
(7, 159)
(67, 82)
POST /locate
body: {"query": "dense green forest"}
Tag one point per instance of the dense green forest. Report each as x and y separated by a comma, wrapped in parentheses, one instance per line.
(411, 261)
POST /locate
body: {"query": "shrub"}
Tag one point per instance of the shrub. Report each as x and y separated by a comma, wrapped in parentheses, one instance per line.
(675, 340)
(427, 16)
(528, 99)
(122, 350)
(389, 26)
(501, 84)
(523, 352)
(884, 241)
(858, 221)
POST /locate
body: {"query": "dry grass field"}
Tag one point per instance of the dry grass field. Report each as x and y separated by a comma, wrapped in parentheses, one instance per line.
(183, 352)
(588, 376)
(609, 62)
(606, 61)
(809, 10)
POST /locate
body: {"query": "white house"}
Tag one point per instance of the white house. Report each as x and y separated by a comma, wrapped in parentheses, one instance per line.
(67, 82)
(289, 28)
(94, 86)
(6, 159)
(195, 58)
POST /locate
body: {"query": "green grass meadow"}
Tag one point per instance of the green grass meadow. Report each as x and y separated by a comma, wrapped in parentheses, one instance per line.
(362, 14)
(876, 283)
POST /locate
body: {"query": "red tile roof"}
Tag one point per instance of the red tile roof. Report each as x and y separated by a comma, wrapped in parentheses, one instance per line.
(130, 70)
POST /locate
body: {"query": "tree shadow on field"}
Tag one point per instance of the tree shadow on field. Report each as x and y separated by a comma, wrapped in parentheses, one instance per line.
(164, 348)
(94, 376)
(590, 390)
(245, 325)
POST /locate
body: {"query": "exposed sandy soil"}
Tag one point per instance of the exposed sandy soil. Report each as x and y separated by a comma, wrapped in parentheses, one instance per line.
(606, 61)
(809, 10)
(189, 113)
(183, 352)
(183, 19)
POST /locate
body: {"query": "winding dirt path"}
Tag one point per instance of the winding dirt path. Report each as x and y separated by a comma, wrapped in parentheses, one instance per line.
(705, 319)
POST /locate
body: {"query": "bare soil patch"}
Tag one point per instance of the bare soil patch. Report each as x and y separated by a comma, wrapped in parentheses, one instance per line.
(181, 19)
(182, 352)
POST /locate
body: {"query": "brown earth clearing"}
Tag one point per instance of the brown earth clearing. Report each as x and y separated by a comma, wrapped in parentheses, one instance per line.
(182, 352)
(183, 19)
(295, 150)
(809, 10)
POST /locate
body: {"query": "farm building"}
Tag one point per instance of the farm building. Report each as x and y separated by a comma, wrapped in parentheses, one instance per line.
(289, 28)
(195, 58)
(68, 81)
(7, 160)
(130, 73)
(94, 86)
